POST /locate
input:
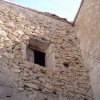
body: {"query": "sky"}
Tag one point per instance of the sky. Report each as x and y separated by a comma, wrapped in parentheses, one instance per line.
(63, 8)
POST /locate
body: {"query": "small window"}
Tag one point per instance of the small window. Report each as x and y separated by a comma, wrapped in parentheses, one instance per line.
(39, 58)
(36, 56)
(39, 51)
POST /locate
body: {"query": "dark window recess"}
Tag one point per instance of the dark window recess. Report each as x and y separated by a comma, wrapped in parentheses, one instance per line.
(39, 58)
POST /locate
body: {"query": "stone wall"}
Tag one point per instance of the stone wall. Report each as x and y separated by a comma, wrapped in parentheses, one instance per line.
(88, 31)
(67, 80)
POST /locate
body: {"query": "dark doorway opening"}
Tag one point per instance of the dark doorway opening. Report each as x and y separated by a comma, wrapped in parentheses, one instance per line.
(39, 58)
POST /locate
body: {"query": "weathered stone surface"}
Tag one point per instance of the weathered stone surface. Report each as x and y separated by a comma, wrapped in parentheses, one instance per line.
(30, 85)
(17, 70)
(24, 28)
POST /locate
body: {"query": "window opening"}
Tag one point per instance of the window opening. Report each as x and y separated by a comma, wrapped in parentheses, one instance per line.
(39, 57)
(39, 51)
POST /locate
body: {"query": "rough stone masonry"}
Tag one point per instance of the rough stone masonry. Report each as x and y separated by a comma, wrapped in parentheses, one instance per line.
(64, 76)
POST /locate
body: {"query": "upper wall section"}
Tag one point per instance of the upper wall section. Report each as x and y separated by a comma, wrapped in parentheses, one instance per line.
(26, 11)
